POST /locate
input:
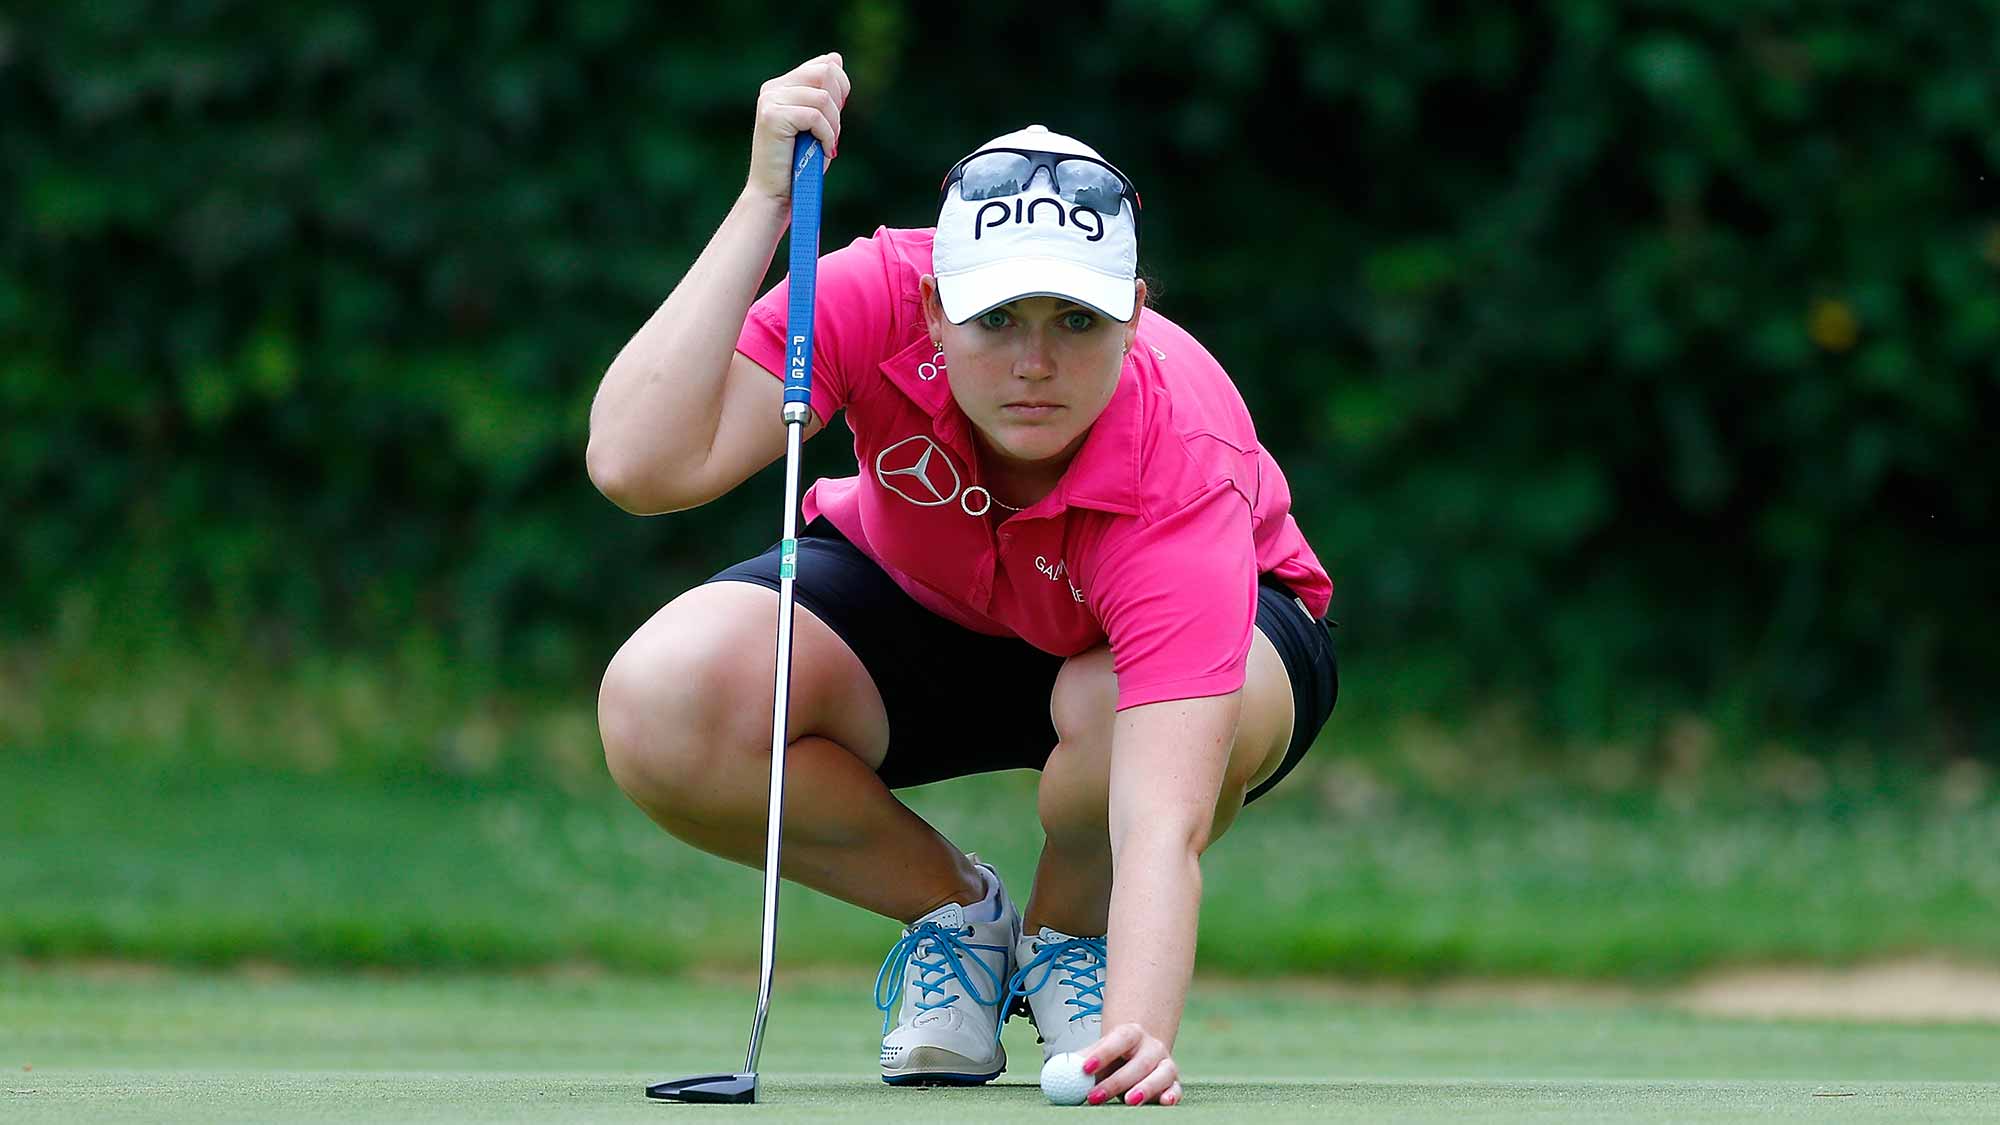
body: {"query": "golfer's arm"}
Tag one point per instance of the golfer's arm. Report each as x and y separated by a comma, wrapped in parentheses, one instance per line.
(1167, 764)
(658, 409)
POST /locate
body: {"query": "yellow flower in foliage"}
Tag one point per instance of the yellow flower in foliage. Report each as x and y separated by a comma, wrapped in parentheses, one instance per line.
(1831, 325)
(1992, 247)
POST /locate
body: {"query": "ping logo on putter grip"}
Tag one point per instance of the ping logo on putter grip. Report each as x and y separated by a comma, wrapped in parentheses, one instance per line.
(797, 373)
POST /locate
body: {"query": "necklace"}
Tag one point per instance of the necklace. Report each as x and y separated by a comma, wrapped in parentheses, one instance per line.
(991, 502)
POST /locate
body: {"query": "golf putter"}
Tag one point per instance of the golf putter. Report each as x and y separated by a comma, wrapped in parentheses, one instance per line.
(808, 169)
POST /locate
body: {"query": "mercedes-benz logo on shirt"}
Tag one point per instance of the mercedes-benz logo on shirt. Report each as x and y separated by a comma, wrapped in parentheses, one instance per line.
(918, 471)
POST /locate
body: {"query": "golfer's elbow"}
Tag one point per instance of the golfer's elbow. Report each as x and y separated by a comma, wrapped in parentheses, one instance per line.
(613, 474)
(628, 481)
(1174, 841)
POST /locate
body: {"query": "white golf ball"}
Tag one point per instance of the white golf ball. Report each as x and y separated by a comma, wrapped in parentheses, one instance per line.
(1064, 1081)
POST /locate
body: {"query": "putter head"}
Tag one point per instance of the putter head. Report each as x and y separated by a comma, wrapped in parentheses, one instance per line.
(739, 1089)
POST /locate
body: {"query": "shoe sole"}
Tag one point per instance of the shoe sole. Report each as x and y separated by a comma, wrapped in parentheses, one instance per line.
(948, 1070)
(941, 1079)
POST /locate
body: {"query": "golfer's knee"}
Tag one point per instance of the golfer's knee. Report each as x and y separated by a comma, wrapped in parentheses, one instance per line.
(662, 711)
(1084, 700)
(1073, 802)
(1075, 810)
(629, 720)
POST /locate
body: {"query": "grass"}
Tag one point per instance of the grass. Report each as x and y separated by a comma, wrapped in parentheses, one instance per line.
(226, 862)
(181, 803)
(330, 826)
(169, 1046)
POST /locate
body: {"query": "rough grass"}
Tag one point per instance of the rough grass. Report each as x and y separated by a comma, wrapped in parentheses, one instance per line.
(183, 801)
(226, 863)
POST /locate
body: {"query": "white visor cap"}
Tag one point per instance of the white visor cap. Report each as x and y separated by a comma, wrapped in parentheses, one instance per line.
(991, 251)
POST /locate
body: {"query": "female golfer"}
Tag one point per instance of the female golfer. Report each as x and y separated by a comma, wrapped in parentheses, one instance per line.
(1064, 550)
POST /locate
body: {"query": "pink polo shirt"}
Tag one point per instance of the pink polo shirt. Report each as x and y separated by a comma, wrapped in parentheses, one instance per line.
(1152, 540)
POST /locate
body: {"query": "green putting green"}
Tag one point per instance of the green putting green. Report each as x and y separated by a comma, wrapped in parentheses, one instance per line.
(145, 1045)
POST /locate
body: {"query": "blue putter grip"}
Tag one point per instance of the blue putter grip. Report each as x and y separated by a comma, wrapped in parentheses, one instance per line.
(808, 172)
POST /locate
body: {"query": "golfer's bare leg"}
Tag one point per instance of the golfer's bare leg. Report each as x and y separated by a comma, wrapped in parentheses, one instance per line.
(685, 712)
(1073, 881)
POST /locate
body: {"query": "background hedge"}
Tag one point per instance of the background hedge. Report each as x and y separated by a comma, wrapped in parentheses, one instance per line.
(1624, 357)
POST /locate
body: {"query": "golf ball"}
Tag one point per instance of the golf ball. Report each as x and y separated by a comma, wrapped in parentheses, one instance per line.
(1064, 1081)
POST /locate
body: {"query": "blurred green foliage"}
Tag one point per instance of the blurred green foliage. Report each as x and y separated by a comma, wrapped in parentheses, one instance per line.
(1624, 358)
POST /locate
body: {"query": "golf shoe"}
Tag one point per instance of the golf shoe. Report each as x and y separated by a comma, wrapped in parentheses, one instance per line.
(949, 972)
(1062, 979)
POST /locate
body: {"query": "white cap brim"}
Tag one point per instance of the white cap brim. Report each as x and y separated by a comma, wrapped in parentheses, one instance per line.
(969, 293)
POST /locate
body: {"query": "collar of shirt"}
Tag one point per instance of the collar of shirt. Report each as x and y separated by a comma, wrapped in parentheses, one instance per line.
(1104, 475)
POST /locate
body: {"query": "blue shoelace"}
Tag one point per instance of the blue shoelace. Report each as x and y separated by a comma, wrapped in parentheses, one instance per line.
(1081, 961)
(940, 958)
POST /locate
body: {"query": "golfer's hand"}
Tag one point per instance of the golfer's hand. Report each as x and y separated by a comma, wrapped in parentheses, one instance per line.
(807, 100)
(1148, 1073)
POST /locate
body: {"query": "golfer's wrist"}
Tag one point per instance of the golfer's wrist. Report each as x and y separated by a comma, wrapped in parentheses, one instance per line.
(764, 211)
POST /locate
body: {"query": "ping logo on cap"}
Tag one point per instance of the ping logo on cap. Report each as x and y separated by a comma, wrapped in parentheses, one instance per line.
(1034, 240)
(1023, 209)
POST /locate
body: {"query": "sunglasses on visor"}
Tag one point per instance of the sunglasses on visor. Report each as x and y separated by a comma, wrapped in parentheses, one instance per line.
(1085, 181)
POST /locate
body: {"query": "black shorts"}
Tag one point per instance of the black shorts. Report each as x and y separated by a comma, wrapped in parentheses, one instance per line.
(932, 673)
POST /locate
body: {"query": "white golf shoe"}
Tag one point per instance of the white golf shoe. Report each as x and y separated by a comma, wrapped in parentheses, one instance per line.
(1062, 979)
(949, 971)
